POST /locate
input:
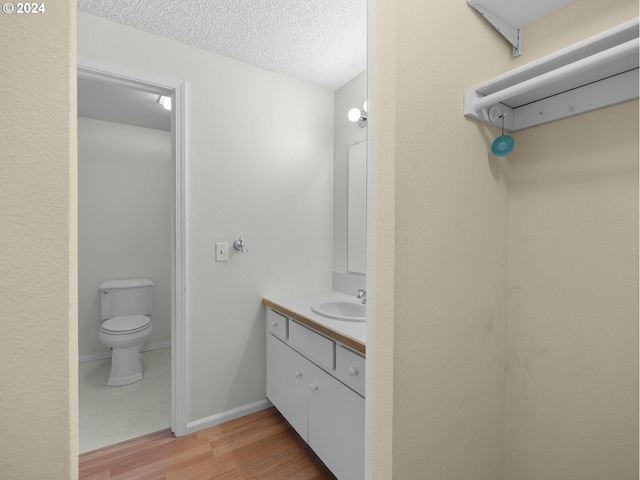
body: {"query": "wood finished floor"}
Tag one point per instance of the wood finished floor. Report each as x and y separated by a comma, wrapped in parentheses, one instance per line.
(260, 446)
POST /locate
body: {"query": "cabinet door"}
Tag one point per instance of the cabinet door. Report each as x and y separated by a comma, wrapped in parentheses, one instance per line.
(336, 426)
(287, 384)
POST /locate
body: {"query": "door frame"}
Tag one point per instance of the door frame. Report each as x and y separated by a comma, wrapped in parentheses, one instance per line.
(97, 69)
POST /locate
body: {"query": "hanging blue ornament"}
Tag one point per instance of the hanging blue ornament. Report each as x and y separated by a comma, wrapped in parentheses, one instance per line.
(503, 145)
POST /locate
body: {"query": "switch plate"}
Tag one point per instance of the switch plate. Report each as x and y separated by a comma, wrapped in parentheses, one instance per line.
(222, 252)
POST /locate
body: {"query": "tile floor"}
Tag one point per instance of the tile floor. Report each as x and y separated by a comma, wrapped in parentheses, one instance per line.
(109, 415)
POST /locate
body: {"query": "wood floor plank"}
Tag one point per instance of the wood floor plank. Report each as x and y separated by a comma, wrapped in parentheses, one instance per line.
(249, 434)
(260, 446)
(248, 423)
(263, 455)
(106, 458)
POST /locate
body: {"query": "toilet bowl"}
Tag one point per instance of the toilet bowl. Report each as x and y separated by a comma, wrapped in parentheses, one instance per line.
(126, 306)
(125, 336)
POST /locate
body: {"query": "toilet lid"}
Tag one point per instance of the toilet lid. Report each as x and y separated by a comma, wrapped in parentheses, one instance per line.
(126, 324)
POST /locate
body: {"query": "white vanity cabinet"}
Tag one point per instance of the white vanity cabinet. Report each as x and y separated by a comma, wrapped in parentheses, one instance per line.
(303, 382)
(287, 384)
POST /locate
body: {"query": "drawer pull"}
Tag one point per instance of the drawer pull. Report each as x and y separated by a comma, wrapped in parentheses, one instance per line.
(298, 374)
(314, 387)
(353, 371)
(274, 324)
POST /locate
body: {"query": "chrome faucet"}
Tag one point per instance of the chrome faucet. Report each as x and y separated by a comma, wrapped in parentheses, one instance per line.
(362, 295)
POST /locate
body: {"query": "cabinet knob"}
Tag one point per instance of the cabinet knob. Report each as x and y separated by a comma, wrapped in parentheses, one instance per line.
(353, 371)
(298, 374)
(274, 324)
(314, 387)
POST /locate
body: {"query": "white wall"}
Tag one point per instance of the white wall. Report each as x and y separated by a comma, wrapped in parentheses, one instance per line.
(124, 221)
(38, 360)
(259, 165)
(345, 133)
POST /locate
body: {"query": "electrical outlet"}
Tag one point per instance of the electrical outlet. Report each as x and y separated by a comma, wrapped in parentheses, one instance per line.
(222, 252)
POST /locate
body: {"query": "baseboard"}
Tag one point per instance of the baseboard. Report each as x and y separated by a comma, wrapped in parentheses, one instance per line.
(228, 415)
(95, 356)
(156, 346)
(103, 355)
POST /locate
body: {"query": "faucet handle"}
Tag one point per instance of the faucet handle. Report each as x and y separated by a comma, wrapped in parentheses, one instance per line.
(240, 246)
(362, 295)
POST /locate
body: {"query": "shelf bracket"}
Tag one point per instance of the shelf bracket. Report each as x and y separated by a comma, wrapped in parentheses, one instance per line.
(508, 31)
(597, 72)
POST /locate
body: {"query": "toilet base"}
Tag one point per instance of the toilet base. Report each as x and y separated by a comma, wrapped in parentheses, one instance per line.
(126, 366)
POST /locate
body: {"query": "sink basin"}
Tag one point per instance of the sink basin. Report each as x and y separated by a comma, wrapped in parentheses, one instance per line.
(341, 310)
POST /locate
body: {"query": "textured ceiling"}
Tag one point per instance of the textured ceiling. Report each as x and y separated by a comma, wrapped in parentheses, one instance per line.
(323, 42)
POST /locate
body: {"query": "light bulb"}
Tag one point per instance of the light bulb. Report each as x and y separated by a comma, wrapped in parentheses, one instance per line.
(354, 114)
(165, 102)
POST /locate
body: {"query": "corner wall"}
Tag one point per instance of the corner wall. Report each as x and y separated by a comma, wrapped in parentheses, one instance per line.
(457, 232)
(442, 266)
(38, 350)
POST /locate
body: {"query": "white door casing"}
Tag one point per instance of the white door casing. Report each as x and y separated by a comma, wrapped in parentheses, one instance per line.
(96, 69)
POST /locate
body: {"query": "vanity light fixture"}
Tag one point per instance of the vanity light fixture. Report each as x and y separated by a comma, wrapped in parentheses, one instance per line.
(359, 116)
(165, 102)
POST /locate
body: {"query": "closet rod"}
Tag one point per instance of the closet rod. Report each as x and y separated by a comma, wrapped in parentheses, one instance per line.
(614, 53)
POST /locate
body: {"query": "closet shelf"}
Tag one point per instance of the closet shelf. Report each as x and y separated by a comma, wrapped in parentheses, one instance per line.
(594, 73)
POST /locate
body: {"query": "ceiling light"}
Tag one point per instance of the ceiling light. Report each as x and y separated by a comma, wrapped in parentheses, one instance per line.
(165, 102)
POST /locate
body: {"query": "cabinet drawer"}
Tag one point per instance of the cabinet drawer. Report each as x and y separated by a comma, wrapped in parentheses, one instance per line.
(350, 368)
(312, 344)
(277, 324)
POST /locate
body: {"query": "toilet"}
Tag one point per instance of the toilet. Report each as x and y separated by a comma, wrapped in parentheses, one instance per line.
(125, 308)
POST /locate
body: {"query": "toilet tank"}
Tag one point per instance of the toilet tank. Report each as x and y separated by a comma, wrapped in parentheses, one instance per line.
(126, 297)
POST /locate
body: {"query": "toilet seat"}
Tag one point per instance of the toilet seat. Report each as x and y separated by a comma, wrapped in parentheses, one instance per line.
(126, 325)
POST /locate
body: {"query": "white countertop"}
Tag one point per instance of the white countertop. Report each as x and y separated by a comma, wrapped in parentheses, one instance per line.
(300, 305)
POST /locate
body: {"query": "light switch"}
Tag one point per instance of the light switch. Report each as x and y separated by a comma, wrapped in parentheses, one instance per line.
(222, 252)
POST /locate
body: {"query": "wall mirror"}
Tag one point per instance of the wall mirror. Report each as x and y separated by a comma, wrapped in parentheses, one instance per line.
(357, 209)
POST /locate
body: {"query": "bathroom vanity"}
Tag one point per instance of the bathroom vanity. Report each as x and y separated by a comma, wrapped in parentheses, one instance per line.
(315, 378)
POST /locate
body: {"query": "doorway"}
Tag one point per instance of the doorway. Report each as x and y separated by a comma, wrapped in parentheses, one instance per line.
(116, 76)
